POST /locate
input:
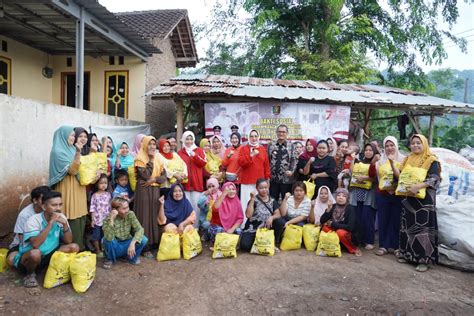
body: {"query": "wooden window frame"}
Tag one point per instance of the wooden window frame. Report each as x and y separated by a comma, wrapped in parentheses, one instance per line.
(9, 82)
(65, 73)
(106, 91)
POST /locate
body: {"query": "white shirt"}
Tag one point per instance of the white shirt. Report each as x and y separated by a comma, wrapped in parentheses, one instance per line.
(21, 220)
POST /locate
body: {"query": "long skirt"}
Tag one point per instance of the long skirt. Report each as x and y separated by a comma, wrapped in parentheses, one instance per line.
(146, 206)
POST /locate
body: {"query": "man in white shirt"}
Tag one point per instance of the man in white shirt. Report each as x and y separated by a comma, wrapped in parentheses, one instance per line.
(34, 208)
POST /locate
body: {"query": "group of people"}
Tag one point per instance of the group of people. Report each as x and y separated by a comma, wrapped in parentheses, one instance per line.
(235, 188)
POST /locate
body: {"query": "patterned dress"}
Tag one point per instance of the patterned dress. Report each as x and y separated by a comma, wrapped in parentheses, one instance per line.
(419, 225)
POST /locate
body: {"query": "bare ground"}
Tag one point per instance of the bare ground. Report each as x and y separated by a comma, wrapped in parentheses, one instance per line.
(295, 282)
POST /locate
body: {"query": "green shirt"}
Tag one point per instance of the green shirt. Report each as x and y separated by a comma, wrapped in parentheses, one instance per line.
(123, 227)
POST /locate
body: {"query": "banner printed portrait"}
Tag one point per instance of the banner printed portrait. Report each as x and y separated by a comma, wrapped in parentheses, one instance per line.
(303, 120)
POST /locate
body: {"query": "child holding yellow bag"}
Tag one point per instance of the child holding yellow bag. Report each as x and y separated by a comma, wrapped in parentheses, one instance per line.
(341, 218)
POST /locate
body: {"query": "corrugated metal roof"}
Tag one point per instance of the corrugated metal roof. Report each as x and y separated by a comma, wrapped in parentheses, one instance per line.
(200, 85)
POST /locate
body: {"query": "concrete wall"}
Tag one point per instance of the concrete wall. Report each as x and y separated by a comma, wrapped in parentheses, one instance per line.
(26, 135)
(161, 115)
(28, 82)
(26, 65)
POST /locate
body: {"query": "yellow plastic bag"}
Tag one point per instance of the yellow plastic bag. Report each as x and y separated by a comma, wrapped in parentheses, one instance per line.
(58, 269)
(176, 166)
(209, 210)
(264, 243)
(90, 165)
(3, 259)
(82, 269)
(101, 159)
(386, 181)
(311, 236)
(410, 176)
(225, 246)
(310, 188)
(169, 247)
(191, 244)
(360, 169)
(132, 178)
(328, 245)
(213, 166)
(292, 237)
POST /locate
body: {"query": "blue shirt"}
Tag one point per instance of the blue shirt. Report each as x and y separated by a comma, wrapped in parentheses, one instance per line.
(34, 226)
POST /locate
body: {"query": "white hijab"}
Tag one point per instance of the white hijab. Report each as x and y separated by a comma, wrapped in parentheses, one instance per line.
(183, 140)
(334, 147)
(398, 156)
(257, 143)
(320, 207)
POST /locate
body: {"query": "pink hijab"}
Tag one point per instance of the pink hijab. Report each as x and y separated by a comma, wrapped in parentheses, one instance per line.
(137, 144)
(230, 211)
(213, 196)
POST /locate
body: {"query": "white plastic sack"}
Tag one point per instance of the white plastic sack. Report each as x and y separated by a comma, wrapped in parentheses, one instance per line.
(457, 174)
(455, 259)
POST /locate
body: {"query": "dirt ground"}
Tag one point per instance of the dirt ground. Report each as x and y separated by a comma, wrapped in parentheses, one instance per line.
(293, 282)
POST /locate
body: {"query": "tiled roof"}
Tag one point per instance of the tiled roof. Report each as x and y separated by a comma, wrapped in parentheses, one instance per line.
(153, 23)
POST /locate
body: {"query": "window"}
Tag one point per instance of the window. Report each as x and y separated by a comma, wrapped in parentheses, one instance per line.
(116, 93)
(111, 60)
(69, 62)
(5, 75)
(68, 89)
(121, 60)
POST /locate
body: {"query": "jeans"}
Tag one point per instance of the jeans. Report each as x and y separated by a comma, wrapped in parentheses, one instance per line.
(115, 249)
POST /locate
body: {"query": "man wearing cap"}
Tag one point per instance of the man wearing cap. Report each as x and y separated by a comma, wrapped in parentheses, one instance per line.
(234, 129)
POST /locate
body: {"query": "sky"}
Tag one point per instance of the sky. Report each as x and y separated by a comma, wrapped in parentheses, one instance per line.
(199, 11)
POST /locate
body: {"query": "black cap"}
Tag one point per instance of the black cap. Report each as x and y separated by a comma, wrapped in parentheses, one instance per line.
(216, 128)
(234, 127)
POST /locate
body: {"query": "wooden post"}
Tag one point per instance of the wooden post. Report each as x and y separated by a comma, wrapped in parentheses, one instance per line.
(414, 123)
(430, 133)
(179, 123)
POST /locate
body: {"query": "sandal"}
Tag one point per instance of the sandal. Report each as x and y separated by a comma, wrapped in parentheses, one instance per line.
(358, 253)
(396, 253)
(422, 267)
(148, 255)
(369, 247)
(107, 265)
(402, 260)
(30, 281)
(381, 252)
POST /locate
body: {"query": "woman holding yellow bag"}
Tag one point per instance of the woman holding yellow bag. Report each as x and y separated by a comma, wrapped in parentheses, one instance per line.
(176, 213)
(175, 168)
(388, 204)
(362, 196)
(261, 211)
(341, 218)
(419, 226)
(64, 163)
(213, 157)
(294, 209)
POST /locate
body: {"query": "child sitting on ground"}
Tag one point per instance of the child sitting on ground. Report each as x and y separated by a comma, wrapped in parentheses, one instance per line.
(99, 209)
(122, 188)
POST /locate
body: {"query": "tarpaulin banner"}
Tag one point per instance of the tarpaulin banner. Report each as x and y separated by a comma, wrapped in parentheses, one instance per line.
(121, 134)
(304, 120)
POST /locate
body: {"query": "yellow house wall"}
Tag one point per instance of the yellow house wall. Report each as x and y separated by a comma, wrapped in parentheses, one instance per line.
(26, 66)
(97, 68)
(28, 81)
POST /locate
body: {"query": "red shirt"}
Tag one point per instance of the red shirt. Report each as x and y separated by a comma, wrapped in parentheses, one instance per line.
(232, 164)
(195, 166)
(253, 168)
(215, 218)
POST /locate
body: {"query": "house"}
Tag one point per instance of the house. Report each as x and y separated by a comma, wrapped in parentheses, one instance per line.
(42, 43)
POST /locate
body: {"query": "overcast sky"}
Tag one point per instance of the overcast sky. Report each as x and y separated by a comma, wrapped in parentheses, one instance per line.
(199, 11)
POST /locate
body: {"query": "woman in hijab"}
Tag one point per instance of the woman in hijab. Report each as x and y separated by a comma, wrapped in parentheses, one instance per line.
(341, 218)
(64, 162)
(195, 160)
(363, 198)
(137, 144)
(148, 170)
(419, 225)
(324, 201)
(227, 214)
(388, 204)
(175, 168)
(254, 164)
(332, 146)
(214, 161)
(261, 211)
(123, 158)
(322, 168)
(230, 163)
(206, 201)
(308, 153)
(176, 213)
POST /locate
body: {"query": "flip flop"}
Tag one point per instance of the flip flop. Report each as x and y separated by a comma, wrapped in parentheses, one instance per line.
(107, 265)
(358, 253)
(30, 281)
(422, 267)
(401, 260)
(381, 252)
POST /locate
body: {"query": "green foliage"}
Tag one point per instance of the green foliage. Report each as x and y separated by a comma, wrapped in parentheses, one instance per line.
(454, 137)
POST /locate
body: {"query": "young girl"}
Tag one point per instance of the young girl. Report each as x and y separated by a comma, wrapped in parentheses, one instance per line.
(99, 209)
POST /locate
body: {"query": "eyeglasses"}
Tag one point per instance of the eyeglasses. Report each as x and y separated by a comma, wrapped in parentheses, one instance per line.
(283, 132)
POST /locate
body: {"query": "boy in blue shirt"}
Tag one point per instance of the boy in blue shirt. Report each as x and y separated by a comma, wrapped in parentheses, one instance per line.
(43, 235)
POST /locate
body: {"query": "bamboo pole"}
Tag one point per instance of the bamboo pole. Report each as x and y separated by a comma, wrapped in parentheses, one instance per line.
(430, 132)
(179, 123)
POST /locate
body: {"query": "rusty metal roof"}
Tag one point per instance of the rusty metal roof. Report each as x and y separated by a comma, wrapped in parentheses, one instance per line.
(223, 87)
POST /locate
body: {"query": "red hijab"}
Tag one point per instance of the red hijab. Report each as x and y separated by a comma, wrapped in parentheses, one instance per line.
(308, 155)
(161, 144)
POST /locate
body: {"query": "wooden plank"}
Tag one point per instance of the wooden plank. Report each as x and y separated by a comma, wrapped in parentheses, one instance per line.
(414, 123)
(179, 122)
(430, 133)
